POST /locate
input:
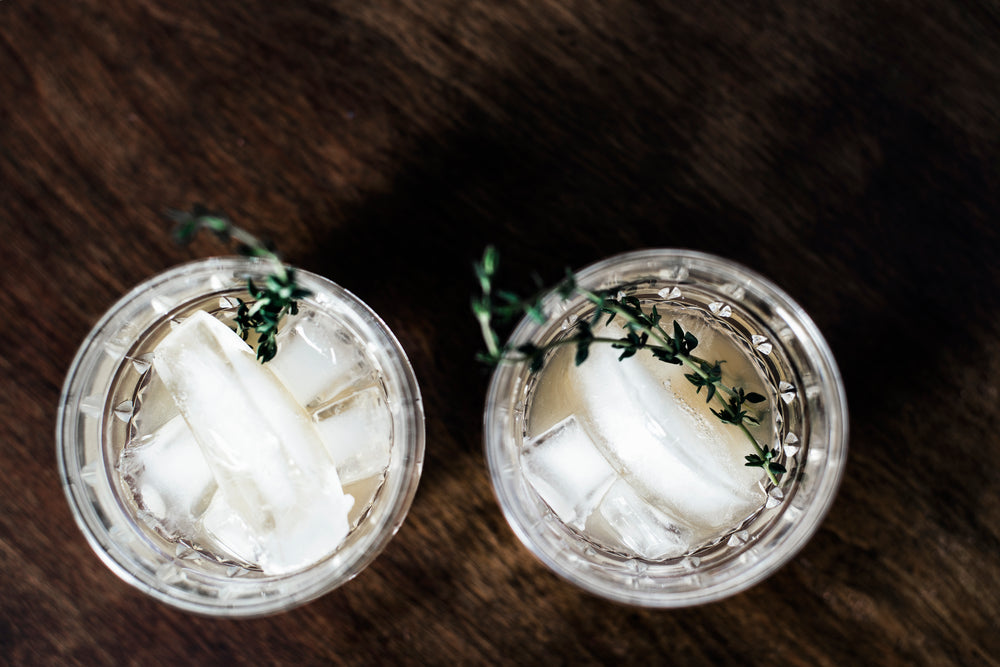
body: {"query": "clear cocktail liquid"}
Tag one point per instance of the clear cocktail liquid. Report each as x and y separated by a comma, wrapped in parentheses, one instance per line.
(172, 484)
(628, 454)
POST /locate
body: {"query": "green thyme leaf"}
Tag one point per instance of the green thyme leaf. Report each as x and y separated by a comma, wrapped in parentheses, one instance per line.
(281, 292)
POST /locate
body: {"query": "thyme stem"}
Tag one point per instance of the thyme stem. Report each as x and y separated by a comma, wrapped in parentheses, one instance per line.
(642, 327)
(278, 297)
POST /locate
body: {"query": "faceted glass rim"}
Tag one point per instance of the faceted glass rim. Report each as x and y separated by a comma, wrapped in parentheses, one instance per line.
(776, 547)
(309, 583)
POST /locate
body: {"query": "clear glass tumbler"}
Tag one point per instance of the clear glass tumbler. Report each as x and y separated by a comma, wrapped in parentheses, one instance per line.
(102, 393)
(808, 428)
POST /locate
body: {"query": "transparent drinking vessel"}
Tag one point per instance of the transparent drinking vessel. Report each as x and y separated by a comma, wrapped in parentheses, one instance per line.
(806, 427)
(97, 418)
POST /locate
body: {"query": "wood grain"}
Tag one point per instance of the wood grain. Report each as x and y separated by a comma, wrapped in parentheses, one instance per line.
(846, 149)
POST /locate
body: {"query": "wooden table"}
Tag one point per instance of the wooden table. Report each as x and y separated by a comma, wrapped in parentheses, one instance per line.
(848, 150)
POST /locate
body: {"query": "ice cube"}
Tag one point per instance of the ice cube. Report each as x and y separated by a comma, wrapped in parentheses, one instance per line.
(357, 432)
(261, 446)
(666, 443)
(641, 528)
(318, 359)
(169, 477)
(225, 533)
(568, 472)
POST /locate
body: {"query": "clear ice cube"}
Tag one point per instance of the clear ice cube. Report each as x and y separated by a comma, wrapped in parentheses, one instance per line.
(169, 477)
(567, 470)
(357, 432)
(639, 527)
(226, 533)
(318, 360)
(262, 448)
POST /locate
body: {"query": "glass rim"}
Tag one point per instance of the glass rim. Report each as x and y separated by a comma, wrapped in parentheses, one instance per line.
(315, 580)
(498, 417)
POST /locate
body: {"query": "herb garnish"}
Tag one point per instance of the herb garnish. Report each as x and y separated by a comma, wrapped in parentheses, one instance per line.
(644, 332)
(278, 296)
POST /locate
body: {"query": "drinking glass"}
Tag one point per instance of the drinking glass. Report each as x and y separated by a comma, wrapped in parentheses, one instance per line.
(809, 425)
(95, 417)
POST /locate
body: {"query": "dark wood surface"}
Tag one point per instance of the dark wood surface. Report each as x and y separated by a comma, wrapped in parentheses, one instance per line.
(846, 149)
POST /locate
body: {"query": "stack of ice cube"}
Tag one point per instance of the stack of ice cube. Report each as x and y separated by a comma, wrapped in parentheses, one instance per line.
(245, 469)
(637, 464)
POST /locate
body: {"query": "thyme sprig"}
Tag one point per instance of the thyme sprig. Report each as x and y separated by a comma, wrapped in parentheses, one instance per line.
(644, 330)
(277, 297)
